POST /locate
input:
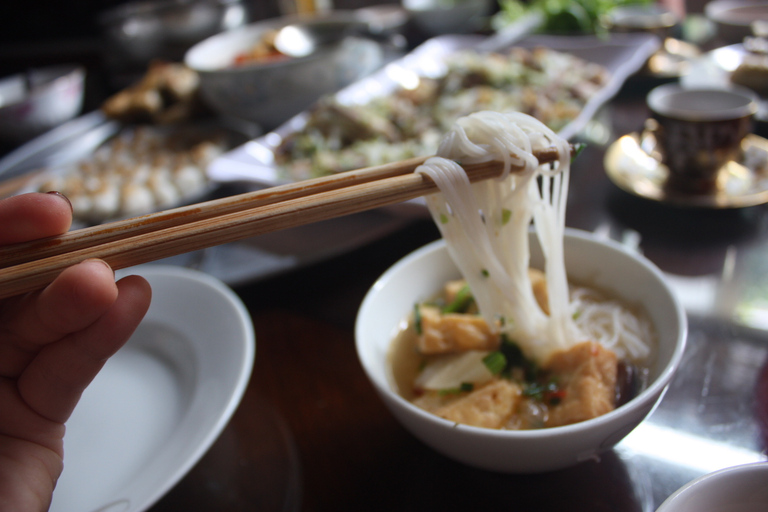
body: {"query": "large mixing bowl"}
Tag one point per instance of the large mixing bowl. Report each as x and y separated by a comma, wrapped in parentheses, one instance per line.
(603, 264)
(269, 92)
(34, 102)
(139, 31)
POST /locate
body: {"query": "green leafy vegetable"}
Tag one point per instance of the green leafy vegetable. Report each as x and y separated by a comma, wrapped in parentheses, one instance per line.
(562, 16)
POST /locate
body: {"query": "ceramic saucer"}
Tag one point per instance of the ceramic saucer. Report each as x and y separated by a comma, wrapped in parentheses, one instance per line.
(634, 164)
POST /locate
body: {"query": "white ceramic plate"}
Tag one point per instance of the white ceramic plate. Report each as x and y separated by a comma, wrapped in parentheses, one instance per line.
(162, 400)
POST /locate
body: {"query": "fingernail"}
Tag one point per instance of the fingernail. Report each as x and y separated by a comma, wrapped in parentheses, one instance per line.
(102, 262)
(59, 194)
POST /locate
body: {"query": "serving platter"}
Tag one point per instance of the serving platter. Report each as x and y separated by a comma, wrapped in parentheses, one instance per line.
(162, 400)
(621, 55)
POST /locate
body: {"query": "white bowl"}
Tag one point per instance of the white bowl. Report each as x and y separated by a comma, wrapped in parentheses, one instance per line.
(159, 403)
(737, 489)
(270, 93)
(604, 264)
(39, 100)
(436, 17)
(733, 18)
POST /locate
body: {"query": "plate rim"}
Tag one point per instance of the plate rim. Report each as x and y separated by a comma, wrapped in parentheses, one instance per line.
(134, 494)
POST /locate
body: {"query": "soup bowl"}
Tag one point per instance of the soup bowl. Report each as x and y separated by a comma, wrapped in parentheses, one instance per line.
(603, 264)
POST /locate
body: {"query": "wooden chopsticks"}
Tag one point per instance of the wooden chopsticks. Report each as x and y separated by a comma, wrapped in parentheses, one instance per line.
(29, 266)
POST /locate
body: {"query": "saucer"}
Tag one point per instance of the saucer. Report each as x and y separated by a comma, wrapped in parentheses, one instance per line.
(634, 165)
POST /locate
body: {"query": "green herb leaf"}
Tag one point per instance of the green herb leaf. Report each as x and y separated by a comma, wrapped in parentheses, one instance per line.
(495, 362)
(461, 302)
(506, 214)
(443, 218)
(417, 319)
(465, 387)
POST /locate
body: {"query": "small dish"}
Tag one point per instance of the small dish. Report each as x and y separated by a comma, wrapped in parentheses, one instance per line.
(32, 103)
(634, 165)
(162, 400)
(737, 489)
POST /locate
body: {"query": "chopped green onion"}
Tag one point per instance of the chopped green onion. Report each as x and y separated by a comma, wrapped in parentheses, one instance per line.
(577, 149)
(461, 302)
(443, 218)
(417, 319)
(465, 387)
(485, 273)
(506, 214)
(495, 362)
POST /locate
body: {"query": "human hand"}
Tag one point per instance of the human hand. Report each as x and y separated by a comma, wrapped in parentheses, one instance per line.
(53, 342)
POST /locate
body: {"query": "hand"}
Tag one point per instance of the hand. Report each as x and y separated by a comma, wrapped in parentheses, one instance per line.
(53, 342)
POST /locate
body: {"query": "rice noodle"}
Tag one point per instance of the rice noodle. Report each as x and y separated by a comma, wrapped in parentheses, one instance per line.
(486, 226)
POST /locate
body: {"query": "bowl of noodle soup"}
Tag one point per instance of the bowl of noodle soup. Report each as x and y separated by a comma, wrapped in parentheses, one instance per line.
(515, 344)
(600, 263)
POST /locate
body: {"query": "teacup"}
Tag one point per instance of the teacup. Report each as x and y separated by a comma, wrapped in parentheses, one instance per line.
(699, 131)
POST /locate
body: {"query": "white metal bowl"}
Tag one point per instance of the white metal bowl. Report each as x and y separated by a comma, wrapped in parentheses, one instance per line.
(34, 102)
(741, 488)
(270, 93)
(436, 17)
(604, 264)
(733, 19)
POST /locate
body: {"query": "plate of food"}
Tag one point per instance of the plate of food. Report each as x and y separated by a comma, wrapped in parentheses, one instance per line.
(145, 149)
(162, 400)
(402, 110)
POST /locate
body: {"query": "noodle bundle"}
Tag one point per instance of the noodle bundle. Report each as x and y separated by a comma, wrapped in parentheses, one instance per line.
(486, 224)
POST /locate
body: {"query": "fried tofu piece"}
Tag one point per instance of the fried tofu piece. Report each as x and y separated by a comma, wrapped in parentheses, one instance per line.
(587, 375)
(490, 406)
(539, 285)
(453, 332)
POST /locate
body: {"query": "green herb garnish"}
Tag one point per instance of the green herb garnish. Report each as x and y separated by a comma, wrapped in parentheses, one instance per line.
(495, 362)
(417, 319)
(465, 387)
(461, 302)
(506, 214)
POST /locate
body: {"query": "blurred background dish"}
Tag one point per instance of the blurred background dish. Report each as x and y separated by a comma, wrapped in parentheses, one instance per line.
(139, 31)
(633, 163)
(36, 101)
(242, 75)
(264, 160)
(437, 17)
(733, 18)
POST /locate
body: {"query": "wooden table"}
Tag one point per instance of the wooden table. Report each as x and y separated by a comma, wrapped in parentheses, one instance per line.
(311, 434)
